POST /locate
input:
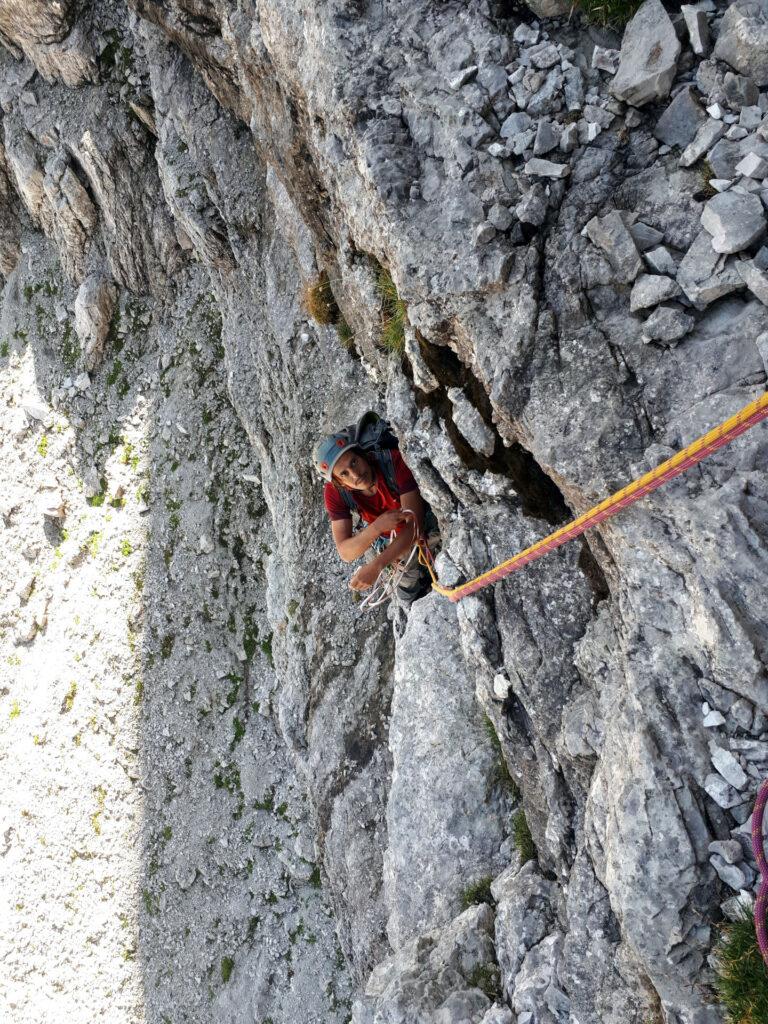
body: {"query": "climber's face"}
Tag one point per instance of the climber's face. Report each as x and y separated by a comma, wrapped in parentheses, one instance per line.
(353, 471)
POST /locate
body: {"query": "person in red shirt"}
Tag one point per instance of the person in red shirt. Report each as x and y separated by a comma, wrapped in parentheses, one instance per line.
(379, 494)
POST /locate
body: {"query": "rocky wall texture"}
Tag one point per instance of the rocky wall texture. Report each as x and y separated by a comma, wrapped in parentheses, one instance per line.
(575, 221)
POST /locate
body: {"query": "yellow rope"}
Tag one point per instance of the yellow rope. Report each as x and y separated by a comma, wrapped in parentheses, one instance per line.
(688, 456)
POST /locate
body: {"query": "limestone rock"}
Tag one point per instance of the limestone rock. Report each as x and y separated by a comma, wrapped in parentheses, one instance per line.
(734, 221)
(650, 290)
(705, 275)
(610, 233)
(648, 61)
(729, 767)
(470, 423)
(667, 324)
(680, 122)
(754, 278)
(743, 39)
(94, 307)
(707, 135)
(697, 27)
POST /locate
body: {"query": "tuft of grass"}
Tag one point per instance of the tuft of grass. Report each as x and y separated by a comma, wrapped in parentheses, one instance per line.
(478, 892)
(319, 301)
(346, 335)
(741, 976)
(501, 774)
(522, 838)
(608, 13)
(42, 446)
(227, 966)
(394, 312)
(487, 978)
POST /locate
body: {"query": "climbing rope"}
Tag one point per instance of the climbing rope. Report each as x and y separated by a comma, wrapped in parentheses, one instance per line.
(761, 903)
(390, 577)
(699, 449)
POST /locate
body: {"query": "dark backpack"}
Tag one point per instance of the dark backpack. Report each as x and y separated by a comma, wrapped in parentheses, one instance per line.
(373, 435)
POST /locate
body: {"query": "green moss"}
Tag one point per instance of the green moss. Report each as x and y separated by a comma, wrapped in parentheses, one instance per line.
(741, 976)
(266, 648)
(522, 838)
(15, 710)
(608, 13)
(267, 804)
(70, 350)
(239, 730)
(394, 312)
(126, 548)
(314, 878)
(5, 349)
(138, 691)
(115, 372)
(167, 833)
(42, 445)
(478, 892)
(166, 647)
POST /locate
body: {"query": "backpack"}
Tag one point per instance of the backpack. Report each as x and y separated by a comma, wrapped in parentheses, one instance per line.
(374, 436)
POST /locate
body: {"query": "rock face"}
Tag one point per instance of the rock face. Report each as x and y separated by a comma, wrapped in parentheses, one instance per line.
(648, 61)
(269, 804)
(743, 39)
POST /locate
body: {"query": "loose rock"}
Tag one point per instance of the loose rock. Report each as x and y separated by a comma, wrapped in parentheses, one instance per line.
(743, 39)
(734, 221)
(648, 61)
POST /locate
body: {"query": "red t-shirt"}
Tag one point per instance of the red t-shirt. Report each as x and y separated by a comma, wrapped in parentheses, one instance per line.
(371, 506)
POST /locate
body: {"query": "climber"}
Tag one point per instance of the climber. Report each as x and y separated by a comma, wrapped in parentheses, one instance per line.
(365, 473)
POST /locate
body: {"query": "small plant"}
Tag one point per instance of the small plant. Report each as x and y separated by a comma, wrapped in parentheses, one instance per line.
(166, 647)
(101, 796)
(15, 710)
(4, 349)
(69, 698)
(487, 978)
(741, 976)
(346, 334)
(42, 446)
(227, 966)
(608, 13)
(126, 548)
(394, 312)
(522, 838)
(314, 879)
(478, 892)
(501, 772)
(319, 301)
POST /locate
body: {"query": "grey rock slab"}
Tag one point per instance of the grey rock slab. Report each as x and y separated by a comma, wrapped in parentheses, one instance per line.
(697, 26)
(739, 90)
(645, 236)
(94, 306)
(667, 325)
(679, 123)
(536, 986)
(532, 208)
(734, 221)
(470, 423)
(498, 1015)
(750, 117)
(445, 820)
(660, 260)
(463, 76)
(743, 39)
(755, 279)
(725, 154)
(713, 719)
(706, 136)
(648, 60)
(650, 290)
(516, 123)
(546, 138)
(705, 275)
(733, 875)
(729, 849)
(727, 765)
(500, 217)
(524, 915)
(753, 166)
(546, 169)
(611, 234)
(722, 793)
(605, 59)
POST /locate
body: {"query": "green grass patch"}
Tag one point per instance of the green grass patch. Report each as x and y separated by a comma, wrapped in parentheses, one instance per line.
(487, 978)
(42, 446)
(346, 334)
(227, 966)
(608, 13)
(741, 976)
(501, 776)
(478, 892)
(521, 835)
(394, 312)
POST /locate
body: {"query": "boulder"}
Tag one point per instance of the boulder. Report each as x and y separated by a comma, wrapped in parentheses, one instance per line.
(735, 221)
(679, 123)
(94, 306)
(667, 325)
(755, 279)
(697, 27)
(611, 234)
(743, 39)
(650, 290)
(648, 61)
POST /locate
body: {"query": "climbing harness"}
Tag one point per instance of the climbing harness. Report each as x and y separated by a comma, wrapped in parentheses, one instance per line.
(699, 449)
(761, 903)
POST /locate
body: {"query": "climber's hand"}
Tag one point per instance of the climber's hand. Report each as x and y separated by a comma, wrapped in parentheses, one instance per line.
(389, 521)
(364, 578)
